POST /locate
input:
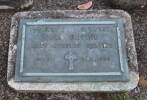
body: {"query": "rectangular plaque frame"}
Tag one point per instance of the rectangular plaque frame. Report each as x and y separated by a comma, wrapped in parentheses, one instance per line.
(122, 75)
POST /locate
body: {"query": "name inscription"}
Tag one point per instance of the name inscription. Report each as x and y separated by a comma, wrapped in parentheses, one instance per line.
(75, 41)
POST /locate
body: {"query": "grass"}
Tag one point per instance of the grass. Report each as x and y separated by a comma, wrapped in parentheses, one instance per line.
(122, 96)
(139, 98)
(24, 98)
(1, 98)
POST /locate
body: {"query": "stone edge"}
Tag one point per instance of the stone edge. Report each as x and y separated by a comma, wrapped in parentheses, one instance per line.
(23, 6)
(76, 86)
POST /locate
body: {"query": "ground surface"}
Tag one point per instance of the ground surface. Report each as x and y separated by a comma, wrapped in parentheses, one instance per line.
(139, 18)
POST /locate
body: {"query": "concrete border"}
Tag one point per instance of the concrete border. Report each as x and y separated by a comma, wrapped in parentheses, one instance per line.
(76, 86)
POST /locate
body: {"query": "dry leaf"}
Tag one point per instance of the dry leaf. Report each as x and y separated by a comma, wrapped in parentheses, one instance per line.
(85, 6)
(142, 82)
(145, 57)
(145, 21)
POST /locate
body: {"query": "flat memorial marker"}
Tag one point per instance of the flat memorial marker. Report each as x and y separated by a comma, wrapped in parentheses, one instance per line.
(71, 50)
(90, 51)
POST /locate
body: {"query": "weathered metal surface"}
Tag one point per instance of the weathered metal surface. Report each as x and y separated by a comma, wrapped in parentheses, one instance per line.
(71, 50)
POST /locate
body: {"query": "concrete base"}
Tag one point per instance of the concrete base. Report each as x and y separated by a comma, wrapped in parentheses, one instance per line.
(74, 86)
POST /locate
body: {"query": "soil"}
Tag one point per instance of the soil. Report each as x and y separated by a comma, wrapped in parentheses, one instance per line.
(129, 4)
(139, 19)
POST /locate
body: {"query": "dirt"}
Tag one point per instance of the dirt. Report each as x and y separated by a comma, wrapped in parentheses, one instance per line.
(139, 19)
(129, 4)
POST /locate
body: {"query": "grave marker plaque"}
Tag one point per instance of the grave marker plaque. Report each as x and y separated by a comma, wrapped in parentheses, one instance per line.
(71, 50)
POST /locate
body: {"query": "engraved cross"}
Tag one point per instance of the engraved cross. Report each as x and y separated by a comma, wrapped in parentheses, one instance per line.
(71, 58)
